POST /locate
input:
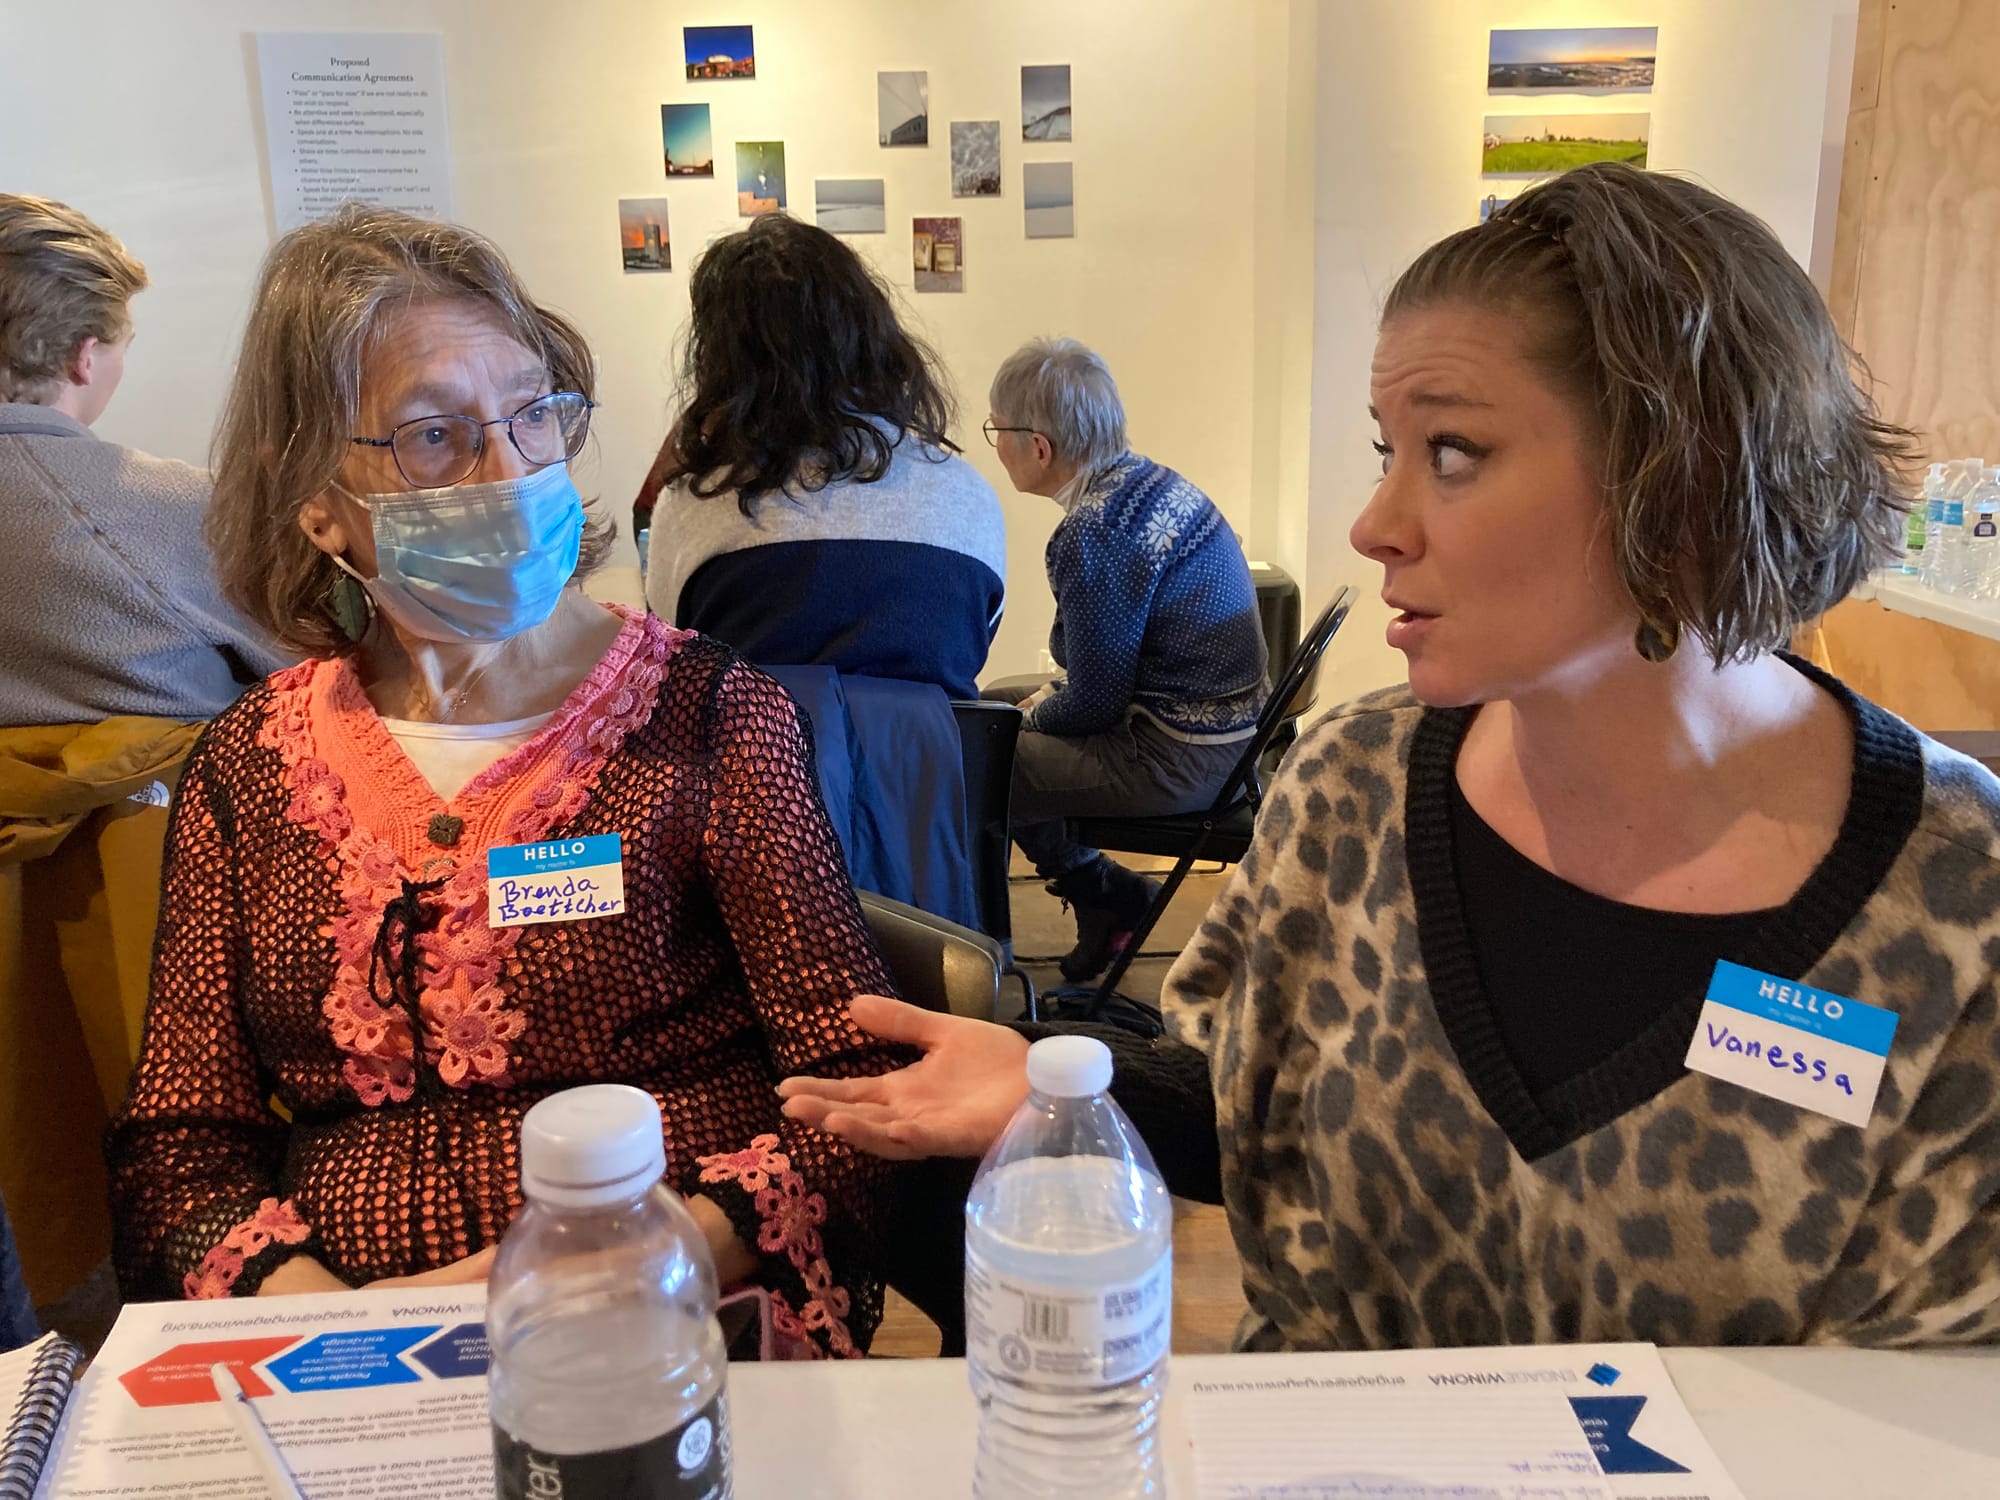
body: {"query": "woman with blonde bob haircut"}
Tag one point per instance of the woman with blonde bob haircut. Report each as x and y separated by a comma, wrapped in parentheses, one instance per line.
(347, 1023)
(1550, 1001)
(111, 609)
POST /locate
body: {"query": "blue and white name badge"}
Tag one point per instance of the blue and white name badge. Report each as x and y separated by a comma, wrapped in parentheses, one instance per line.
(1821, 1052)
(559, 881)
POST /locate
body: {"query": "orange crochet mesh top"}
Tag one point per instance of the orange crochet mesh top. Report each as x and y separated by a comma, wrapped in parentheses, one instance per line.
(324, 944)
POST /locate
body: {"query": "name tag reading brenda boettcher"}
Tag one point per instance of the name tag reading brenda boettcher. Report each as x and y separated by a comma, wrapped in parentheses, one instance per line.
(1819, 1051)
(563, 880)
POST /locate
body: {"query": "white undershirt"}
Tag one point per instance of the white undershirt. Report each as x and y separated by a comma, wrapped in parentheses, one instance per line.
(450, 755)
(1072, 492)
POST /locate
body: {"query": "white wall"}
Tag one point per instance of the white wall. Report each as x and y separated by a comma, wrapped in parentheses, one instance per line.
(1738, 101)
(146, 116)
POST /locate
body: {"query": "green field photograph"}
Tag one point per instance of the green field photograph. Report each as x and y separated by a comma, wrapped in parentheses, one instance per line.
(1536, 145)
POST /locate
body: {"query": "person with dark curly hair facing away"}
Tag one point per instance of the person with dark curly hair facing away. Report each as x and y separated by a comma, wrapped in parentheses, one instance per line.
(1444, 1045)
(811, 506)
(354, 998)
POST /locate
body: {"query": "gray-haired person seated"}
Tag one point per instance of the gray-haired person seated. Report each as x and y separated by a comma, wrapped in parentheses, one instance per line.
(1156, 631)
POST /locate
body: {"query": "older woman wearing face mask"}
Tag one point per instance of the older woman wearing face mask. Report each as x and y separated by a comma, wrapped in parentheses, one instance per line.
(357, 993)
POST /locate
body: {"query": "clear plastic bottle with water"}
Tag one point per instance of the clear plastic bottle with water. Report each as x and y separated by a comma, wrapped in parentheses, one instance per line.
(1934, 507)
(1981, 563)
(608, 1371)
(1947, 532)
(1068, 1292)
(1916, 527)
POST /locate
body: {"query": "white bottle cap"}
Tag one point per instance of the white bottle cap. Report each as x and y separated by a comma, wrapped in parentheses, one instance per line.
(593, 1146)
(1069, 1067)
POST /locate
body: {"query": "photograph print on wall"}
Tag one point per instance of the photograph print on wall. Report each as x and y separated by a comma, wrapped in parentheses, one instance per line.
(1048, 188)
(975, 158)
(688, 142)
(903, 108)
(939, 250)
(1536, 145)
(1490, 205)
(642, 234)
(1045, 102)
(719, 52)
(760, 178)
(850, 205)
(1572, 60)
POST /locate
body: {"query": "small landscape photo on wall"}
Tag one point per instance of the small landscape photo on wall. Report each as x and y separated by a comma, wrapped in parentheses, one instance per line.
(1490, 205)
(642, 234)
(1572, 60)
(760, 178)
(903, 109)
(938, 246)
(1536, 145)
(850, 205)
(719, 51)
(975, 158)
(1045, 102)
(1048, 188)
(687, 141)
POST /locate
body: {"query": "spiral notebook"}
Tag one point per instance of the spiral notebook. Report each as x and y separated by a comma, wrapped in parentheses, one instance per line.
(35, 1383)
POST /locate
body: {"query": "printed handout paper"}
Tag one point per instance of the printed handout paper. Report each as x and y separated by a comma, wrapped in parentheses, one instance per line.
(365, 1393)
(1562, 1422)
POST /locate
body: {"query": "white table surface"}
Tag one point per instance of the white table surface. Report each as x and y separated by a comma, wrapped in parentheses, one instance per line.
(1789, 1424)
(1907, 596)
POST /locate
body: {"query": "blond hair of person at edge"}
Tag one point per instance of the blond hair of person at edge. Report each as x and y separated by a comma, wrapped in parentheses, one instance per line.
(110, 605)
(393, 499)
(1428, 1046)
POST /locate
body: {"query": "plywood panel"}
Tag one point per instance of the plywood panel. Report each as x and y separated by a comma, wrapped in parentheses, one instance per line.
(1916, 289)
(1928, 315)
(1941, 680)
(1850, 218)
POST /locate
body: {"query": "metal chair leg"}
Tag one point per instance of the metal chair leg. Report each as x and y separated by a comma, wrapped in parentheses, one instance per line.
(1109, 985)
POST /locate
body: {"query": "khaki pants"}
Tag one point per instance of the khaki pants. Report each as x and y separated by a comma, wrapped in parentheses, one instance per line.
(1134, 770)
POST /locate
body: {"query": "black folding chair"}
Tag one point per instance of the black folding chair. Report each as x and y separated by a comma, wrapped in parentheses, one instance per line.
(1224, 831)
(987, 733)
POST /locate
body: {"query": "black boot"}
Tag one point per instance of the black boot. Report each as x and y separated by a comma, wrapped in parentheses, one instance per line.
(1109, 900)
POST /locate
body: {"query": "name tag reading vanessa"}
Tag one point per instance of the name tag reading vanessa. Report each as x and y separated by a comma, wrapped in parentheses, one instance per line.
(562, 880)
(1819, 1051)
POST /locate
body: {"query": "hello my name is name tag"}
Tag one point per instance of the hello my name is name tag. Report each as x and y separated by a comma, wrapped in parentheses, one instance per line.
(562, 880)
(1817, 1050)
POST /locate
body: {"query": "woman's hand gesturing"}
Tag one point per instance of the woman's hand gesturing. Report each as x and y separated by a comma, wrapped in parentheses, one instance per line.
(953, 1101)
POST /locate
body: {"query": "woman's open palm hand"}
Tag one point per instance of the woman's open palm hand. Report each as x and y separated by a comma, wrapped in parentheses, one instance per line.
(953, 1101)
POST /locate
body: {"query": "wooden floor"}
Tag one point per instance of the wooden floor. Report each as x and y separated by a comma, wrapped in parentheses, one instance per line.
(1208, 1295)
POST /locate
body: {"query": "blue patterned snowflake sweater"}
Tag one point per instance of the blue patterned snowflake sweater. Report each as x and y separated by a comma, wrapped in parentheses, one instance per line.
(1155, 611)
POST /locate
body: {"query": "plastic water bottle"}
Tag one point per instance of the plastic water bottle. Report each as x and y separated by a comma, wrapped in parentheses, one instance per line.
(1947, 533)
(1915, 562)
(1982, 542)
(607, 1363)
(1068, 1292)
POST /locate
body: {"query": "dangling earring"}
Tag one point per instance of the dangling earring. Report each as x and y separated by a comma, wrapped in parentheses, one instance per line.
(1657, 643)
(353, 610)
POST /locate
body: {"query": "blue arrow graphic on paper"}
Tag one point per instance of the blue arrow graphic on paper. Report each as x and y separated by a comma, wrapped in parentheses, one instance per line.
(1607, 1422)
(350, 1360)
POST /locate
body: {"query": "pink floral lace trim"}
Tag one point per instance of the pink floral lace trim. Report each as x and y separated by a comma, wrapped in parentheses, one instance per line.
(792, 1217)
(273, 1223)
(467, 1023)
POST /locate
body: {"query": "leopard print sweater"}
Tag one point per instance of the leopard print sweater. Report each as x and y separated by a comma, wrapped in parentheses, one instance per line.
(1381, 1198)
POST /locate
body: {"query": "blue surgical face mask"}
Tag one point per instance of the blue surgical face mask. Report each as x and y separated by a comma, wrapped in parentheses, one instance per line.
(475, 562)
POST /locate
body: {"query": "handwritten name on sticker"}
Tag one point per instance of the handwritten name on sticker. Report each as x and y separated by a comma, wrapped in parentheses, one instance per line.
(1820, 1051)
(1776, 1056)
(561, 880)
